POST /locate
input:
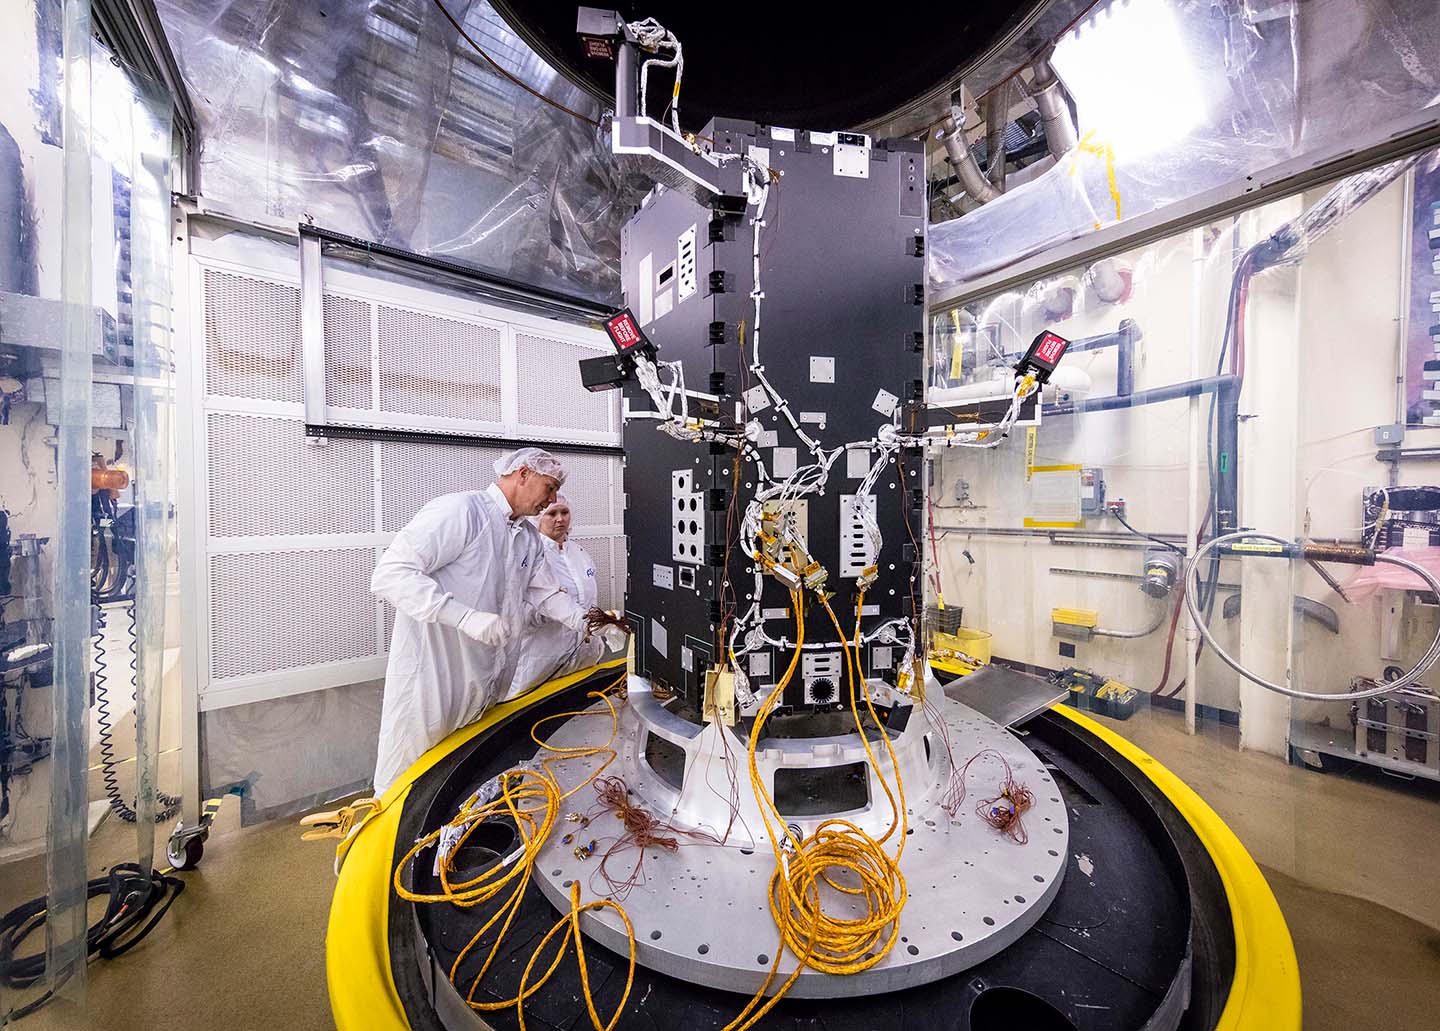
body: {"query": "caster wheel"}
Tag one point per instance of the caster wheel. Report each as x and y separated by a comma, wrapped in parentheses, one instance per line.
(185, 857)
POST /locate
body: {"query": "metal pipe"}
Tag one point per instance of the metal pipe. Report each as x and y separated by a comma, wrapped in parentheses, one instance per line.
(1156, 395)
(1125, 358)
(1227, 457)
(1062, 538)
(1191, 636)
(997, 117)
(972, 180)
(1054, 112)
(1161, 611)
(1127, 328)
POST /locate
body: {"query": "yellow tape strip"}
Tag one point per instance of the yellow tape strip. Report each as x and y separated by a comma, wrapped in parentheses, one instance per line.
(1107, 153)
(1029, 453)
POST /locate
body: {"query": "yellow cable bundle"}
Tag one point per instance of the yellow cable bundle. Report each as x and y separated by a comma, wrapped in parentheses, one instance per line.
(531, 799)
(833, 945)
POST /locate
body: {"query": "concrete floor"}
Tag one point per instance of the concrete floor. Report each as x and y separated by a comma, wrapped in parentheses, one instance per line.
(1348, 856)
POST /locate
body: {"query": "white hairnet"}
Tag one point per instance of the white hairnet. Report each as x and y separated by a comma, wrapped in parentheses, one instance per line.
(560, 499)
(534, 458)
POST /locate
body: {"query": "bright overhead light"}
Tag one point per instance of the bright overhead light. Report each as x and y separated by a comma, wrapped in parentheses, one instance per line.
(1133, 78)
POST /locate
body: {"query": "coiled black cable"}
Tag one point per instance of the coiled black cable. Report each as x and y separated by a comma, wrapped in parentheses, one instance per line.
(135, 903)
(169, 804)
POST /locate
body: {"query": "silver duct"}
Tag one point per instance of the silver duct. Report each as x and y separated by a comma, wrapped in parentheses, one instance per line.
(967, 169)
(997, 118)
(1054, 112)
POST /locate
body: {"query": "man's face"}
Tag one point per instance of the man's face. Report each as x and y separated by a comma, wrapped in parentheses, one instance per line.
(536, 492)
(555, 521)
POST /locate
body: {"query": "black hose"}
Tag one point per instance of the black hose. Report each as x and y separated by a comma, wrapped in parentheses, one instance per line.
(169, 804)
(135, 902)
(1140, 533)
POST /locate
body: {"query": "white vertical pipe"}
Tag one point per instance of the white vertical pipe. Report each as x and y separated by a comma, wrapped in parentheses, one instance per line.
(1192, 502)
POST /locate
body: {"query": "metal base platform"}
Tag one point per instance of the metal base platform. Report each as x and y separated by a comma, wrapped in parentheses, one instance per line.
(702, 913)
(1139, 933)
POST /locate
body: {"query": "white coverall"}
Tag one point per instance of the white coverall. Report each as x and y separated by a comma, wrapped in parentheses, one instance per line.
(553, 649)
(461, 552)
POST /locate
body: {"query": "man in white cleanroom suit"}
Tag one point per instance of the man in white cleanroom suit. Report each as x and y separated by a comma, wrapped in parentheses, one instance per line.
(466, 577)
(553, 649)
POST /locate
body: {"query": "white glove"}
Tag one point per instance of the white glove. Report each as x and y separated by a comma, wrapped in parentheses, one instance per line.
(613, 637)
(575, 619)
(485, 627)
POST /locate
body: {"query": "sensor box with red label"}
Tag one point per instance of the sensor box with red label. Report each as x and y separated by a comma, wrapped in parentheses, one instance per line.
(1044, 354)
(625, 334)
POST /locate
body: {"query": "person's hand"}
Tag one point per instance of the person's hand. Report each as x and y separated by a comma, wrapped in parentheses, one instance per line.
(613, 637)
(485, 627)
(597, 618)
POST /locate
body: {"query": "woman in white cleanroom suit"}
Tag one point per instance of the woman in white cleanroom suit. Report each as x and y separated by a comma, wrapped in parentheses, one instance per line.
(552, 649)
(467, 578)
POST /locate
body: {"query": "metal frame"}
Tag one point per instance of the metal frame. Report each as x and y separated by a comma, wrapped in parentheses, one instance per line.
(325, 420)
(189, 393)
(1394, 139)
(134, 32)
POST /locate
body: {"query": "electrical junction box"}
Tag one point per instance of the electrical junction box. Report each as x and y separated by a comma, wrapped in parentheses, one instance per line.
(1092, 492)
(840, 269)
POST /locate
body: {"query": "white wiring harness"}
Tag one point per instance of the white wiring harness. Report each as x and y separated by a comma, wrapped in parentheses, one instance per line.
(655, 38)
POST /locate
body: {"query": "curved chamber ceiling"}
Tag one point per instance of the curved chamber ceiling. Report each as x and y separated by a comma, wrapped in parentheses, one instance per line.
(795, 65)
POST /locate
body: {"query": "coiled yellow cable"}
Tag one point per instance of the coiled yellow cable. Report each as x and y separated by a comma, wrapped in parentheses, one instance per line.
(531, 799)
(839, 855)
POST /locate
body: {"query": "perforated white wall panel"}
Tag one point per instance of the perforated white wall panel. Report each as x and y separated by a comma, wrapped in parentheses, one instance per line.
(267, 479)
(592, 486)
(282, 610)
(347, 352)
(295, 525)
(414, 473)
(252, 338)
(438, 366)
(550, 396)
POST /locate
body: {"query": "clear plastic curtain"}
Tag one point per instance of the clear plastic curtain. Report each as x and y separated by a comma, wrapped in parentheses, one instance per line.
(378, 120)
(1177, 97)
(85, 345)
(154, 440)
(66, 916)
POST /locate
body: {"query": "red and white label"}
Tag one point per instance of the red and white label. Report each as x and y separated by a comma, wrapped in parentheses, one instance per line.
(623, 331)
(1051, 348)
